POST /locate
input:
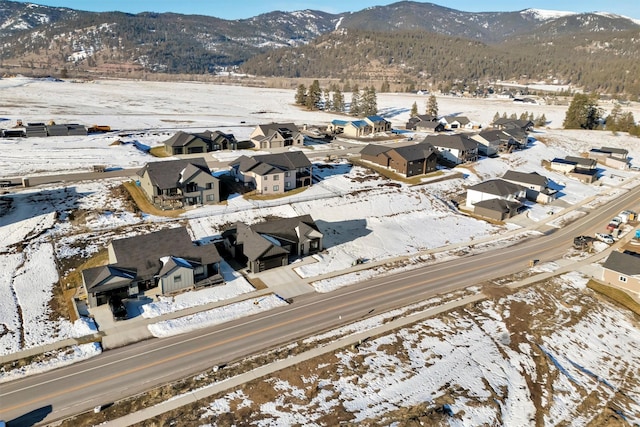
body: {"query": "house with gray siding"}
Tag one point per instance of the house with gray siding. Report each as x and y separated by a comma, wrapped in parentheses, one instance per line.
(167, 259)
(271, 244)
(176, 184)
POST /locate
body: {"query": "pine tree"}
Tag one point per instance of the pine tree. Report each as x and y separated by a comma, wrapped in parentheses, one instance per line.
(432, 106)
(369, 105)
(327, 100)
(414, 109)
(524, 116)
(314, 96)
(613, 118)
(385, 86)
(496, 117)
(301, 94)
(583, 112)
(338, 101)
(541, 121)
(354, 109)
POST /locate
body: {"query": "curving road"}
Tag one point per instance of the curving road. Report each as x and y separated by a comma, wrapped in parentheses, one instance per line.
(129, 370)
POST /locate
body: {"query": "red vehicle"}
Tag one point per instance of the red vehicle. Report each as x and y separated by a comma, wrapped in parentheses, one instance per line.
(612, 226)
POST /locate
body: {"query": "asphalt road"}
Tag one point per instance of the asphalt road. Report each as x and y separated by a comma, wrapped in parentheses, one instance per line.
(135, 368)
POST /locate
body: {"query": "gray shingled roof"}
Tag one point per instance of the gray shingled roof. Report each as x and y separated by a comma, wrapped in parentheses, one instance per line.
(120, 277)
(257, 238)
(166, 174)
(374, 149)
(142, 253)
(497, 187)
(498, 205)
(284, 161)
(458, 142)
(582, 161)
(528, 178)
(420, 151)
(623, 263)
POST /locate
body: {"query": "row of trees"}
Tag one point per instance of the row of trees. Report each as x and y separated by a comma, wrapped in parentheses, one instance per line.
(539, 121)
(332, 99)
(585, 113)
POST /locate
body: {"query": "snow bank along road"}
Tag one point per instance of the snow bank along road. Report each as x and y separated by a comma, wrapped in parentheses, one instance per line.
(129, 370)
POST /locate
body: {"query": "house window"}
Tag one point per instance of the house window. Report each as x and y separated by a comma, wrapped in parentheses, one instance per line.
(314, 244)
(287, 185)
(266, 178)
(276, 177)
(276, 188)
(192, 187)
(209, 185)
(623, 279)
(198, 270)
(287, 174)
(210, 198)
(177, 278)
(266, 189)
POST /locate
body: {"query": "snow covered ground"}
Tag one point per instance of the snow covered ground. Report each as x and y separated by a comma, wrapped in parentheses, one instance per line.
(551, 354)
(360, 213)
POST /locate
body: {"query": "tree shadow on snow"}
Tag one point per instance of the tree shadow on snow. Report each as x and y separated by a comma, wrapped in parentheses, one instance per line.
(339, 232)
(18, 207)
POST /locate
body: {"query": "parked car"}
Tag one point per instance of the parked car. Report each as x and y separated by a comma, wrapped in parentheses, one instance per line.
(607, 238)
(612, 226)
(118, 308)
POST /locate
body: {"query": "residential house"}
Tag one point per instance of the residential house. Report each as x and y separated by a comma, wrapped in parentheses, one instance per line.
(490, 142)
(359, 128)
(195, 143)
(622, 269)
(272, 243)
(456, 122)
(455, 149)
(409, 160)
(180, 183)
(496, 199)
(166, 258)
(429, 127)
(612, 157)
(506, 123)
(273, 173)
(414, 120)
(580, 168)
(277, 135)
(537, 185)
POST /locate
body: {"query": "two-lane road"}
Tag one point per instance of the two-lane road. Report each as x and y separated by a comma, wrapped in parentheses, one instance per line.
(129, 370)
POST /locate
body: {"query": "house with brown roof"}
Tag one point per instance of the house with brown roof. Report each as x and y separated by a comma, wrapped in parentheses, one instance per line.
(420, 118)
(176, 184)
(409, 160)
(496, 199)
(271, 244)
(622, 269)
(273, 173)
(277, 135)
(167, 258)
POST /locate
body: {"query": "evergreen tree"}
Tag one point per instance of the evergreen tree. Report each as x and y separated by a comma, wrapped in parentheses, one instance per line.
(613, 118)
(432, 106)
(504, 115)
(496, 116)
(541, 121)
(524, 116)
(354, 109)
(513, 116)
(626, 122)
(314, 96)
(583, 112)
(385, 86)
(338, 101)
(327, 101)
(369, 105)
(414, 109)
(301, 94)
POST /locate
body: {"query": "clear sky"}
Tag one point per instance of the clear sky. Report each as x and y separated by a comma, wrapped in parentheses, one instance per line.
(239, 9)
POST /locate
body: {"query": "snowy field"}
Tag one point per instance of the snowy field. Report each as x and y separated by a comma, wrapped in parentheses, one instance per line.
(360, 213)
(552, 354)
